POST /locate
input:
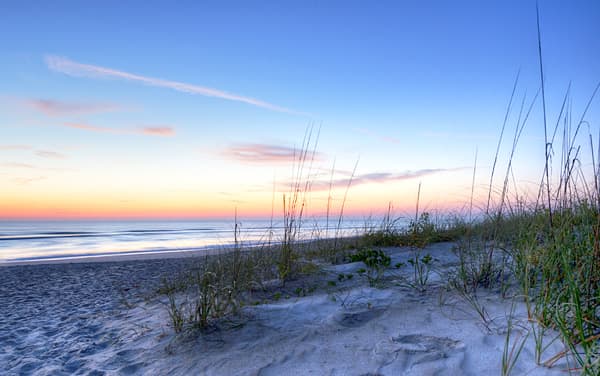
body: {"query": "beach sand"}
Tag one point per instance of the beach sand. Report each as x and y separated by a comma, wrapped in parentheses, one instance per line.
(103, 318)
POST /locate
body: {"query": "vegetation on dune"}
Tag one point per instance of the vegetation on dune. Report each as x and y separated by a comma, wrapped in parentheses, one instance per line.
(553, 269)
(545, 251)
(376, 261)
(549, 254)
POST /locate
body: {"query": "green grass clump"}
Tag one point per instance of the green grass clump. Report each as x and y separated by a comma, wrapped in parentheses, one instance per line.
(419, 233)
(216, 286)
(376, 261)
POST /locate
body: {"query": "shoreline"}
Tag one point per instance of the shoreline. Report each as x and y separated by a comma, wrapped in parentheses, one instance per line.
(212, 250)
(116, 257)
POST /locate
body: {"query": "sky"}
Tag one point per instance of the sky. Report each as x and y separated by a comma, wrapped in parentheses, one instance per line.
(188, 109)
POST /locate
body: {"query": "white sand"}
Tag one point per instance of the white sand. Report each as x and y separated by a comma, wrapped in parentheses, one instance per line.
(69, 318)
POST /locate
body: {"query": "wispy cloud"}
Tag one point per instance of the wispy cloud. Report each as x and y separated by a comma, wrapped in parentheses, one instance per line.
(380, 177)
(163, 131)
(76, 69)
(50, 154)
(15, 147)
(94, 128)
(328, 172)
(264, 153)
(52, 107)
(158, 131)
(25, 181)
(39, 153)
(17, 165)
(27, 166)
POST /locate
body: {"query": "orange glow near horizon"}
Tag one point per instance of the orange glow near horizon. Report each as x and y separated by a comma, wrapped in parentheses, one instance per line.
(361, 201)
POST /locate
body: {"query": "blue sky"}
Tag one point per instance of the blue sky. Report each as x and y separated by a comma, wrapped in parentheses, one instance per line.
(405, 87)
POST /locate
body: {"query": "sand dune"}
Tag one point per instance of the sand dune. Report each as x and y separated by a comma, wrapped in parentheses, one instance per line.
(97, 319)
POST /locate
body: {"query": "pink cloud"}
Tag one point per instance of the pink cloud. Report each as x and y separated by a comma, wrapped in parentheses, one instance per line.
(158, 131)
(52, 107)
(73, 68)
(94, 128)
(261, 153)
(163, 131)
(380, 177)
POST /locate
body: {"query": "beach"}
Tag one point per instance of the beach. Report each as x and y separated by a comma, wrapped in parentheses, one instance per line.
(105, 318)
(300, 188)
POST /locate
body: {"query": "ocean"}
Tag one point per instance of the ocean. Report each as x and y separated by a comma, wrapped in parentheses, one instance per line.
(22, 241)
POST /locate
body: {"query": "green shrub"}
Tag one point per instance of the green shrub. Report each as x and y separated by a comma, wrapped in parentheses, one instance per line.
(376, 261)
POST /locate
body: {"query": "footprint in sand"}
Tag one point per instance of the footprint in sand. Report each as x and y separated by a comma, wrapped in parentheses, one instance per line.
(357, 319)
(407, 351)
(416, 343)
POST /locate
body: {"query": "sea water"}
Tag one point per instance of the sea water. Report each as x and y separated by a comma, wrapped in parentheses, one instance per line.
(59, 240)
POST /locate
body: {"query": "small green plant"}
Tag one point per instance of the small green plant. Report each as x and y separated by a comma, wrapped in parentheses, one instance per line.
(476, 268)
(175, 311)
(211, 300)
(376, 261)
(399, 265)
(421, 269)
(211, 289)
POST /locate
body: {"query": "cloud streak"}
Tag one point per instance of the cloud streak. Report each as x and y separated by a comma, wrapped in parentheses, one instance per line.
(158, 131)
(55, 108)
(39, 153)
(50, 154)
(162, 131)
(15, 147)
(94, 128)
(76, 69)
(380, 178)
(25, 181)
(18, 165)
(265, 153)
(27, 166)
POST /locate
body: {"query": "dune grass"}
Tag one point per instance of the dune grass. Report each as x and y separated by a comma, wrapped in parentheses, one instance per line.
(545, 251)
(553, 269)
(548, 256)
